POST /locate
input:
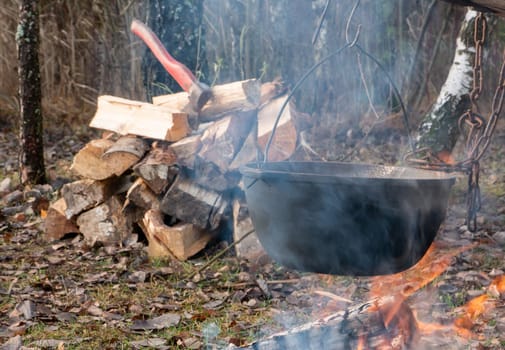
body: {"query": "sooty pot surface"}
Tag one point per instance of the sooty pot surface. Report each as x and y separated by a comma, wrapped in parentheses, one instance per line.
(343, 218)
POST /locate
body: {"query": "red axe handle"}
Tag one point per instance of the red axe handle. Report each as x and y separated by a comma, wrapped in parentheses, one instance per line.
(184, 77)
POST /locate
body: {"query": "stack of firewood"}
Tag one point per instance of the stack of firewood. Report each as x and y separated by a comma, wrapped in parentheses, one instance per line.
(171, 172)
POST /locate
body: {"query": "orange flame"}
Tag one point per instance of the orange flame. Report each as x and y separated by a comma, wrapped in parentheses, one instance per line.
(478, 306)
(395, 312)
(361, 342)
(433, 264)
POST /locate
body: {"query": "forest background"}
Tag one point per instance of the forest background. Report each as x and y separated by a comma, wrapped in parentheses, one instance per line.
(87, 50)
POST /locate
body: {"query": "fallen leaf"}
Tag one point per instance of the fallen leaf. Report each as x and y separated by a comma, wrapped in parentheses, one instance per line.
(264, 287)
(27, 308)
(54, 260)
(19, 328)
(66, 317)
(192, 343)
(14, 343)
(153, 343)
(251, 302)
(160, 322)
(202, 316)
(94, 310)
(49, 343)
(112, 316)
(137, 277)
(213, 305)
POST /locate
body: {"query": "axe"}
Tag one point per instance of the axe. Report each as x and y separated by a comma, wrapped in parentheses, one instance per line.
(199, 93)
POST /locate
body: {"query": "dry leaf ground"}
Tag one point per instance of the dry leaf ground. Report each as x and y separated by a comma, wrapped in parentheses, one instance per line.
(66, 295)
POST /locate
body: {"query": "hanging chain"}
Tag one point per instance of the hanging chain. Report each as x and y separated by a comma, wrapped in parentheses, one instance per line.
(477, 130)
(475, 125)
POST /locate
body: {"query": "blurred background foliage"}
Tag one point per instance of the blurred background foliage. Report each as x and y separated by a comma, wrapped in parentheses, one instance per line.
(88, 50)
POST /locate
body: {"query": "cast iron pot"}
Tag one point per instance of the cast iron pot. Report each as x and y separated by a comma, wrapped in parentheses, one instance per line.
(343, 218)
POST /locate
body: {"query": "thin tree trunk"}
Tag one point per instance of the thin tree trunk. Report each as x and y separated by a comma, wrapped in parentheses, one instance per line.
(31, 159)
(439, 128)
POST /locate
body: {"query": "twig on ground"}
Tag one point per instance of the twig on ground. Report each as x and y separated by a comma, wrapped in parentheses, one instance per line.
(333, 296)
(218, 255)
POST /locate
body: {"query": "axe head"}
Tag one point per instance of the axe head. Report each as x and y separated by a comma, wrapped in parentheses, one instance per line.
(199, 95)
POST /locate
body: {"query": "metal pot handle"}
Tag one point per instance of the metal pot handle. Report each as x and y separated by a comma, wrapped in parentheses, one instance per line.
(335, 53)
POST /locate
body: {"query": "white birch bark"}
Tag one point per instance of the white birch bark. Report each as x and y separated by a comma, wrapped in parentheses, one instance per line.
(439, 128)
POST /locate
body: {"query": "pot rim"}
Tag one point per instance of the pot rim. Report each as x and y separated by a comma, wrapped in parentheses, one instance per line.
(355, 172)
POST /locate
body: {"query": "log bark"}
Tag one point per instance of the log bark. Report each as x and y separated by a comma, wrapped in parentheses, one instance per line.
(191, 203)
(158, 169)
(139, 118)
(208, 175)
(105, 223)
(130, 147)
(56, 224)
(250, 248)
(223, 139)
(285, 138)
(186, 150)
(85, 194)
(31, 159)
(439, 128)
(249, 152)
(142, 196)
(103, 159)
(363, 324)
(181, 241)
(239, 96)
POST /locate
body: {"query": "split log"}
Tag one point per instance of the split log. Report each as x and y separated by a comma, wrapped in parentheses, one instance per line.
(285, 138)
(226, 99)
(105, 223)
(158, 169)
(56, 224)
(102, 159)
(250, 248)
(223, 139)
(363, 326)
(191, 203)
(181, 241)
(139, 118)
(88, 162)
(142, 196)
(186, 150)
(249, 152)
(127, 150)
(82, 195)
(208, 175)
(271, 90)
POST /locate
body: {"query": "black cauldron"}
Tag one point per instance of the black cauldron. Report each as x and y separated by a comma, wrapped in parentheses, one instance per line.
(344, 218)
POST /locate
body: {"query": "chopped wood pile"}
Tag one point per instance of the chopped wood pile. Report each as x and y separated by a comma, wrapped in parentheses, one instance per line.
(171, 172)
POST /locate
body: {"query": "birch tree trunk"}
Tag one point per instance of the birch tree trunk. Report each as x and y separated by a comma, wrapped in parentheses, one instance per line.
(31, 158)
(439, 128)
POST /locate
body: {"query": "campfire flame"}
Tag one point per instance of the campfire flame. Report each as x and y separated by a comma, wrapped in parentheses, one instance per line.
(392, 291)
(478, 306)
(396, 325)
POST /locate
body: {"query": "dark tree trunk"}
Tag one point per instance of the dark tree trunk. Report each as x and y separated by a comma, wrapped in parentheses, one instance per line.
(31, 159)
(178, 24)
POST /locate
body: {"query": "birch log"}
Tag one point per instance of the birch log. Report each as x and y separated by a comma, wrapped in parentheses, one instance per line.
(439, 128)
